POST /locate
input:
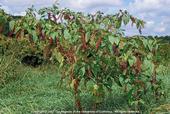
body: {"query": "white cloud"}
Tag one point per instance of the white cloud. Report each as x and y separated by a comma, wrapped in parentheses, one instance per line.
(19, 6)
(150, 23)
(6, 8)
(27, 2)
(150, 5)
(160, 29)
(20, 13)
(145, 5)
(84, 4)
(154, 12)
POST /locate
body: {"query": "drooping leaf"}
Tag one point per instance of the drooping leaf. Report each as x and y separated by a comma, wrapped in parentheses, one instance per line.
(82, 71)
(67, 34)
(113, 40)
(132, 60)
(126, 19)
(11, 24)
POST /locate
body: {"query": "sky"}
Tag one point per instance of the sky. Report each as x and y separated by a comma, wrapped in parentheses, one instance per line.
(156, 13)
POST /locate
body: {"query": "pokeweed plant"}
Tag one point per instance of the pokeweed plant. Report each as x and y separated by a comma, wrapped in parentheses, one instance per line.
(92, 47)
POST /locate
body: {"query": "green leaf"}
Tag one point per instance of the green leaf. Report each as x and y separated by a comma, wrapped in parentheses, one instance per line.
(11, 25)
(126, 19)
(132, 60)
(54, 35)
(138, 24)
(96, 87)
(149, 56)
(145, 42)
(59, 57)
(34, 36)
(150, 45)
(26, 26)
(2, 20)
(142, 24)
(141, 101)
(82, 71)
(148, 67)
(49, 26)
(113, 40)
(130, 94)
(118, 23)
(117, 81)
(106, 21)
(121, 80)
(17, 29)
(67, 35)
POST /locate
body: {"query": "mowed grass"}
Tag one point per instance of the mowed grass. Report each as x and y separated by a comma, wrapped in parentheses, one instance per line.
(34, 91)
(37, 90)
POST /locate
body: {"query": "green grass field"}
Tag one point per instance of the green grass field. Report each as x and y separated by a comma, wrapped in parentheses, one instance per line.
(36, 89)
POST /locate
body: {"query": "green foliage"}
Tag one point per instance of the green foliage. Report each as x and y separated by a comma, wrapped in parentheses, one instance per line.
(7, 70)
(8, 61)
(93, 48)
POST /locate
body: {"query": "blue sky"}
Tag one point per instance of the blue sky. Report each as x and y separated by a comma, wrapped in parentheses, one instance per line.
(156, 13)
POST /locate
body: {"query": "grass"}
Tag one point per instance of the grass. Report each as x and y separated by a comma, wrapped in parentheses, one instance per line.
(37, 90)
(34, 91)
